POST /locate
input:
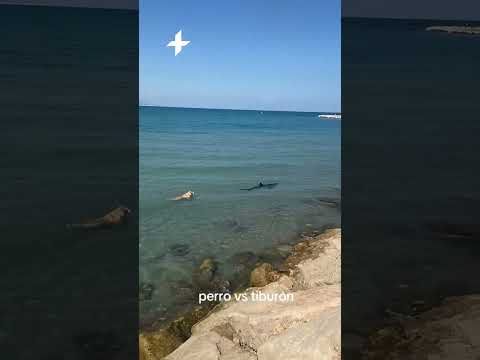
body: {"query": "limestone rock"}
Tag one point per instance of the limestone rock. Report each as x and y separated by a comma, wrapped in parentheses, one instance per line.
(316, 340)
(307, 327)
(321, 270)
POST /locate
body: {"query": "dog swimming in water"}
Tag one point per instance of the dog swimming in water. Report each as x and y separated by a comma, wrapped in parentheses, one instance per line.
(189, 195)
(115, 217)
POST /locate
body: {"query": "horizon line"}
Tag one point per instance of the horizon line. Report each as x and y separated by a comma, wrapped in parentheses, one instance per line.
(208, 108)
(71, 6)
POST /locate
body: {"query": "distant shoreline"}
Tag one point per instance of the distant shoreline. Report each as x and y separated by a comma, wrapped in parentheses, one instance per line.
(468, 30)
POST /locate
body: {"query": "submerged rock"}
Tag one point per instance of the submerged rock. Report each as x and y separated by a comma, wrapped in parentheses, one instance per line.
(233, 225)
(263, 275)
(182, 327)
(246, 258)
(206, 278)
(179, 249)
(242, 263)
(207, 270)
(145, 291)
(284, 250)
(184, 292)
(154, 345)
(221, 286)
(272, 256)
(209, 265)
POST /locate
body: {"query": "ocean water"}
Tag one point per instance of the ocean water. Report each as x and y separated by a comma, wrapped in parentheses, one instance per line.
(215, 153)
(409, 154)
(69, 106)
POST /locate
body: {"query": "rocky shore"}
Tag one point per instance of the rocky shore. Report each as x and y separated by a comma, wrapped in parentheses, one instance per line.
(448, 331)
(469, 30)
(306, 326)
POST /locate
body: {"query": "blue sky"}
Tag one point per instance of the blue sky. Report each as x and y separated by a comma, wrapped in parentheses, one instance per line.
(244, 54)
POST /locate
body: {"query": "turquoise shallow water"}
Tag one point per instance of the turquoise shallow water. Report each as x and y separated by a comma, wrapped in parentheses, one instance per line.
(215, 153)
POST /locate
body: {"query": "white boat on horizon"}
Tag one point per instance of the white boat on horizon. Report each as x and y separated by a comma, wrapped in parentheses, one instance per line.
(330, 116)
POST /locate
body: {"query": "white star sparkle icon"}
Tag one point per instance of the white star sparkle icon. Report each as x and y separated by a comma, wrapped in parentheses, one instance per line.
(178, 43)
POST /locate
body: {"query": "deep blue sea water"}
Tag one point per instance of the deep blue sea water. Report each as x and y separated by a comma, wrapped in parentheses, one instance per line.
(215, 153)
(68, 151)
(409, 154)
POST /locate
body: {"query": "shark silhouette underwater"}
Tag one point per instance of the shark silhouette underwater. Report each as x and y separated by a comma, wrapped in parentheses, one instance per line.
(262, 186)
